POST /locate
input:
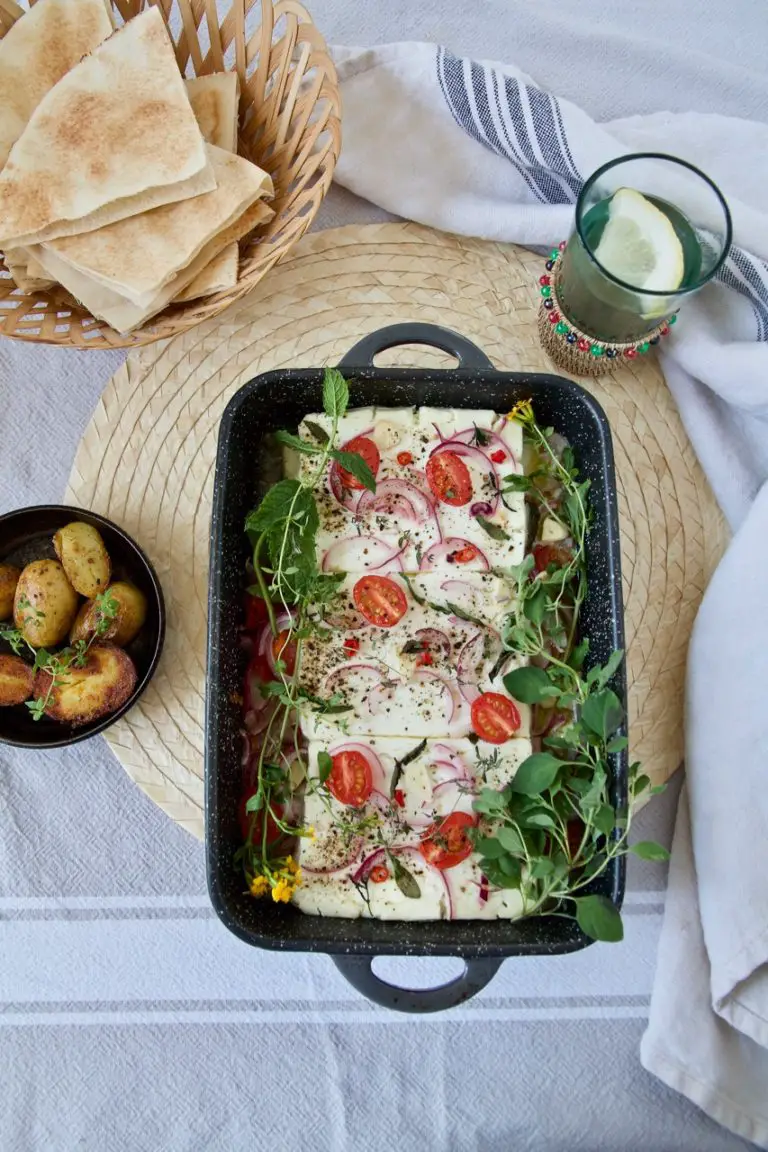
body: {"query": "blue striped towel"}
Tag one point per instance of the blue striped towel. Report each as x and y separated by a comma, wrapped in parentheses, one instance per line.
(479, 149)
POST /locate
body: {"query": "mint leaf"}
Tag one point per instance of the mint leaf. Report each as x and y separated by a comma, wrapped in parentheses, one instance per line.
(275, 507)
(515, 483)
(529, 685)
(649, 850)
(296, 442)
(335, 394)
(509, 840)
(351, 462)
(536, 774)
(599, 918)
(255, 803)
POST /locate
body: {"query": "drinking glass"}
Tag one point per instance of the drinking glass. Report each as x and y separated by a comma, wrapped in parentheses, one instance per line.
(613, 310)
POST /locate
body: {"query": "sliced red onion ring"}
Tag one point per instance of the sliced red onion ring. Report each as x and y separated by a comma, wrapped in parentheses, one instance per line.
(378, 774)
(481, 508)
(484, 890)
(454, 586)
(348, 620)
(495, 441)
(448, 771)
(363, 554)
(468, 451)
(339, 676)
(367, 866)
(439, 551)
(267, 637)
(461, 784)
(434, 641)
(396, 497)
(467, 664)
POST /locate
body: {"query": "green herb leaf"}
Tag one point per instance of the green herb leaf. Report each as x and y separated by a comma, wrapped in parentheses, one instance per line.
(405, 880)
(604, 819)
(536, 773)
(535, 606)
(295, 442)
(351, 462)
(489, 847)
(529, 685)
(649, 850)
(490, 802)
(617, 744)
(602, 713)
(480, 437)
(324, 766)
(317, 431)
(335, 394)
(510, 840)
(275, 507)
(516, 483)
(538, 820)
(599, 918)
(542, 869)
(255, 803)
(493, 530)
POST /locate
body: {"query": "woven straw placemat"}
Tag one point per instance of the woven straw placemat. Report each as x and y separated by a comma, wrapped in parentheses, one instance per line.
(147, 461)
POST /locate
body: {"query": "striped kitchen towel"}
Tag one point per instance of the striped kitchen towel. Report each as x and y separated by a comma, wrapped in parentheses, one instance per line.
(479, 149)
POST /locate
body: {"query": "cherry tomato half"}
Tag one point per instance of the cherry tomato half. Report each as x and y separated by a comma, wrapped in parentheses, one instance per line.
(495, 718)
(379, 874)
(380, 600)
(447, 843)
(546, 554)
(253, 822)
(449, 479)
(350, 779)
(283, 648)
(366, 449)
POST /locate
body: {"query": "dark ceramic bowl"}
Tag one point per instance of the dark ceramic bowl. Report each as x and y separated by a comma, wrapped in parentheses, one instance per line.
(245, 459)
(27, 535)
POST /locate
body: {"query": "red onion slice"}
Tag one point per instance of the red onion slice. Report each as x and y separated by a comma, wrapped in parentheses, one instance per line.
(440, 551)
(495, 441)
(454, 586)
(266, 638)
(448, 771)
(396, 497)
(425, 674)
(434, 641)
(467, 667)
(364, 554)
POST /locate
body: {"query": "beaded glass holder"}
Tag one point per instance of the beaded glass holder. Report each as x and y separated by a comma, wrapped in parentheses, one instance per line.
(574, 350)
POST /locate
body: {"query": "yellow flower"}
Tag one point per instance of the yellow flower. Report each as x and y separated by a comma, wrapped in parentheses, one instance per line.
(291, 866)
(282, 892)
(522, 412)
(259, 886)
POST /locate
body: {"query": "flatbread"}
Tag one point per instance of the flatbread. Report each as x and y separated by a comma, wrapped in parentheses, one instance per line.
(214, 101)
(220, 274)
(40, 48)
(138, 256)
(24, 277)
(124, 316)
(114, 137)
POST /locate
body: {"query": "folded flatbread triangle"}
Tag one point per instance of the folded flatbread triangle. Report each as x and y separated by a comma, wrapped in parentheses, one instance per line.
(138, 256)
(116, 136)
(40, 48)
(115, 309)
(214, 99)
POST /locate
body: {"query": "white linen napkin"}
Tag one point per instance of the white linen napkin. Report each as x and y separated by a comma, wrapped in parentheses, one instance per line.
(478, 149)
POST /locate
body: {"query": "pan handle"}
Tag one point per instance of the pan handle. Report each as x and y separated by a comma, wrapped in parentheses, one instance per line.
(359, 972)
(468, 354)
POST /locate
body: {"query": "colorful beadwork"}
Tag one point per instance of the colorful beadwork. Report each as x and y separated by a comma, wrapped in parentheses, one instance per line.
(562, 328)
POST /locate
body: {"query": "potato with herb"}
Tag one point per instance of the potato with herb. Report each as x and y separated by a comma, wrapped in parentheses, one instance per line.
(16, 680)
(45, 604)
(127, 607)
(98, 683)
(9, 578)
(85, 559)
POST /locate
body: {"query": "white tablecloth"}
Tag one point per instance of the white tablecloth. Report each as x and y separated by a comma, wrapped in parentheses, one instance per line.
(129, 1017)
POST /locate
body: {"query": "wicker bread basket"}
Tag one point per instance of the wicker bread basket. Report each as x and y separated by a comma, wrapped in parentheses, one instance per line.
(289, 125)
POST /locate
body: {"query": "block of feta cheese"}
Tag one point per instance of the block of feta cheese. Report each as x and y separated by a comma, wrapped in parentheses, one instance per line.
(412, 656)
(410, 789)
(438, 504)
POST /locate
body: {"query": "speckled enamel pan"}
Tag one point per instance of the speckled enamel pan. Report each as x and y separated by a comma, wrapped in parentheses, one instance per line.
(244, 465)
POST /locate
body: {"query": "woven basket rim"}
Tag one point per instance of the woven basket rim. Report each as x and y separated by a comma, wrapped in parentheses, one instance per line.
(289, 107)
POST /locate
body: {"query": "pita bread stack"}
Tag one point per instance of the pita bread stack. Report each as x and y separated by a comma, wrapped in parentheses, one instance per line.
(121, 180)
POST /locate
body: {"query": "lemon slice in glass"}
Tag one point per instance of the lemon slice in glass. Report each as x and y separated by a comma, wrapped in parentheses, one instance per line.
(639, 244)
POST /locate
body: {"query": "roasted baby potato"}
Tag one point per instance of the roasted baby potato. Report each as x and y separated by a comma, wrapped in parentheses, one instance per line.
(130, 616)
(81, 695)
(9, 578)
(84, 558)
(16, 680)
(45, 603)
